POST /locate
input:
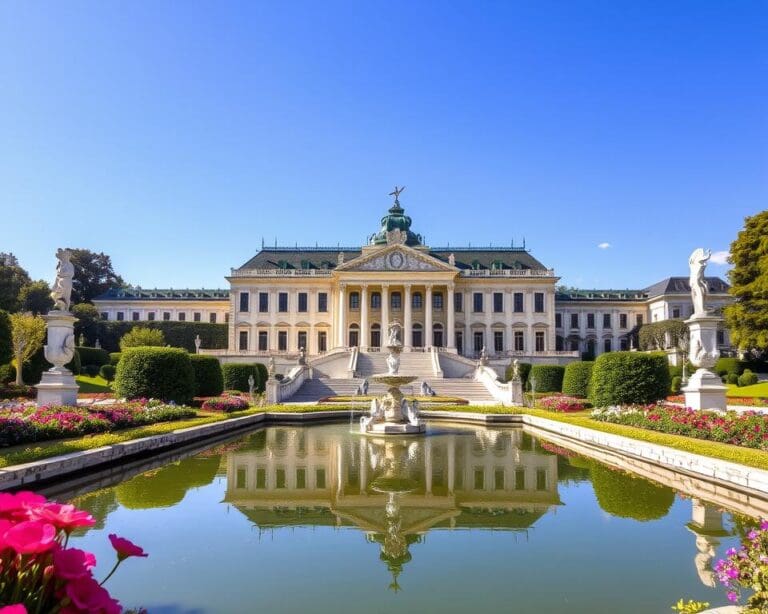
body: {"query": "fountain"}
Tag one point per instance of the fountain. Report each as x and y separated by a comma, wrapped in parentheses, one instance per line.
(392, 414)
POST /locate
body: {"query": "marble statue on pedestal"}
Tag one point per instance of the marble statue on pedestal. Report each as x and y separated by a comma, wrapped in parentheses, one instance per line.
(698, 263)
(62, 286)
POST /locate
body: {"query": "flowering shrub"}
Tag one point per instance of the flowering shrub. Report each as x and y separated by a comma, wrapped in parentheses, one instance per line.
(22, 423)
(563, 403)
(225, 403)
(747, 568)
(39, 572)
(748, 429)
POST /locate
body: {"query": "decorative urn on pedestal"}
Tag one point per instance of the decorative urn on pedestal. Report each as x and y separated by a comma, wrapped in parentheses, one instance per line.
(58, 386)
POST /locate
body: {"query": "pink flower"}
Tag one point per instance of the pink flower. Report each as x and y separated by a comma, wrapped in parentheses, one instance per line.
(86, 594)
(31, 536)
(4, 526)
(14, 609)
(125, 548)
(17, 505)
(71, 564)
(66, 517)
(733, 597)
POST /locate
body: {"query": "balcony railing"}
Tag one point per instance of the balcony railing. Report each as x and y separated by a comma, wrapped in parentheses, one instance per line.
(508, 273)
(280, 273)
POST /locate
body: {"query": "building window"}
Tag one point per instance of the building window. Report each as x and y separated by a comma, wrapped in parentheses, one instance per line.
(166, 316)
(396, 300)
(104, 315)
(151, 316)
(196, 316)
(477, 302)
(302, 302)
(478, 341)
(624, 344)
(322, 341)
(622, 320)
(519, 479)
(538, 302)
(437, 335)
(558, 320)
(458, 302)
(518, 300)
(639, 319)
(437, 301)
(354, 300)
(416, 300)
(574, 320)
(282, 302)
(120, 316)
(591, 320)
(460, 342)
(243, 301)
(302, 340)
(376, 300)
(519, 341)
(212, 318)
(606, 320)
(541, 479)
(354, 335)
(539, 341)
(498, 341)
(282, 340)
(320, 478)
(498, 302)
(226, 318)
(606, 345)
(135, 316)
(376, 336)
(263, 341)
(182, 316)
(263, 302)
(676, 312)
(243, 342)
(322, 302)
(417, 336)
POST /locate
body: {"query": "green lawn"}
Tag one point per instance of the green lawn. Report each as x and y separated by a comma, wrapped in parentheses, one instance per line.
(92, 384)
(758, 390)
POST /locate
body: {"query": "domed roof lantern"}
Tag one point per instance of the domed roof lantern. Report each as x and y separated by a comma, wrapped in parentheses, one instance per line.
(396, 226)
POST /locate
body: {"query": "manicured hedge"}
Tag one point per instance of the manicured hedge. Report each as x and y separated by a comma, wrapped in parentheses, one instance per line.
(108, 372)
(525, 370)
(724, 366)
(620, 378)
(261, 381)
(577, 377)
(549, 378)
(677, 383)
(114, 358)
(236, 376)
(160, 373)
(209, 380)
(177, 334)
(93, 356)
(747, 378)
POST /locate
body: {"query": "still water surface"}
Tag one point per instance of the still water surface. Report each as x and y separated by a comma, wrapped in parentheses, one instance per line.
(316, 519)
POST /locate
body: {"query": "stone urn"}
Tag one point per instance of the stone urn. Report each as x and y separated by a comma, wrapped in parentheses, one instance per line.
(58, 386)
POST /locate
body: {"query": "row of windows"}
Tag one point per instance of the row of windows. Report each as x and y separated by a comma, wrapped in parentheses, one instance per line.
(302, 302)
(166, 316)
(607, 320)
(280, 478)
(282, 341)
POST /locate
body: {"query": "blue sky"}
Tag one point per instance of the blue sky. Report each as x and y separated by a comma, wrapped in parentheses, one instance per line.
(175, 135)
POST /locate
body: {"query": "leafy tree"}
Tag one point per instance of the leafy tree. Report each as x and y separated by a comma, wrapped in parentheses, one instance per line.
(6, 352)
(142, 336)
(12, 279)
(94, 275)
(35, 297)
(87, 321)
(28, 333)
(747, 319)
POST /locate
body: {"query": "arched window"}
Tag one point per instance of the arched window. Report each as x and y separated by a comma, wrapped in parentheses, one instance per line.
(417, 300)
(376, 335)
(354, 335)
(418, 336)
(437, 335)
(606, 345)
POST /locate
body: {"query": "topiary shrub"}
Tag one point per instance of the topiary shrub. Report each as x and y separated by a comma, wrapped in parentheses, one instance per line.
(623, 378)
(577, 377)
(153, 372)
(624, 495)
(263, 377)
(107, 372)
(549, 378)
(731, 378)
(723, 366)
(209, 381)
(236, 376)
(677, 383)
(141, 336)
(747, 378)
(525, 371)
(114, 357)
(7, 373)
(93, 356)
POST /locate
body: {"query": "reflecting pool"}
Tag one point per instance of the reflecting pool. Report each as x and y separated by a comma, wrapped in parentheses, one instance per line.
(318, 519)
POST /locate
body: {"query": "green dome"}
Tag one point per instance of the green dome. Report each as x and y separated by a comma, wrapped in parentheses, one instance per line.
(396, 220)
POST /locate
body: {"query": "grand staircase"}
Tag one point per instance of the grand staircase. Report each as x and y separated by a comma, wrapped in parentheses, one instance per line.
(412, 363)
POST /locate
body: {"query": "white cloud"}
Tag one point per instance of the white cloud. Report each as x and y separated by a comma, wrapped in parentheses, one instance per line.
(605, 245)
(719, 258)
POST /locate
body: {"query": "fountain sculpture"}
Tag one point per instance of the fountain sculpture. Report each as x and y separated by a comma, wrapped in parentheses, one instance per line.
(392, 414)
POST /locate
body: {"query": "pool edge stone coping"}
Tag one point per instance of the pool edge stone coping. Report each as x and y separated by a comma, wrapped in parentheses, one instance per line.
(56, 467)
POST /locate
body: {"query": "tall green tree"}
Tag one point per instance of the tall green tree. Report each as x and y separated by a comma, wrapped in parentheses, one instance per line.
(747, 318)
(94, 275)
(36, 297)
(12, 279)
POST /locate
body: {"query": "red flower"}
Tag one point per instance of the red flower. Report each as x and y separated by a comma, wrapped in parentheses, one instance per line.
(17, 505)
(87, 595)
(66, 517)
(71, 564)
(125, 548)
(14, 609)
(31, 536)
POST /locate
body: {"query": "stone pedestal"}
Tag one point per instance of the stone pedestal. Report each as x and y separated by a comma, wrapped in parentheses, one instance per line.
(58, 386)
(704, 389)
(517, 391)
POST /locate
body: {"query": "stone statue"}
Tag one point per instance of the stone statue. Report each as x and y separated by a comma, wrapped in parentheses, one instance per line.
(251, 384)
(483, 356)
(198, 343)
(452, 260)
(515, 370)
(271, 367)
(302, 356)
(97, 345)
(393, 363)
(62, 287)
(412, 412)
(364, 386)
(394, 334)
(81, 340)
(396, 193)
(698, 262)
(424, 389)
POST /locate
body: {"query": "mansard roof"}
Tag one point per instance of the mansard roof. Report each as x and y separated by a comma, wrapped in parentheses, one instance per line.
(186, 294)
(670, 285)
(680, 285)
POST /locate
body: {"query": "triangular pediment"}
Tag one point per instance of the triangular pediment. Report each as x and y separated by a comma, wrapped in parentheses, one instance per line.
(396, 258)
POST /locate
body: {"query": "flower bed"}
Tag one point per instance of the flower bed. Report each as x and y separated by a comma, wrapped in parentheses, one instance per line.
(748, 429)
(747, 568)
(22, 423)
(39, 572)
(562, 403)
(225, 404)
(745, 401)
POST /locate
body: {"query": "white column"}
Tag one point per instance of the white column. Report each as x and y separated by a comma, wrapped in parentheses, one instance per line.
(428, 317)
(407, 318)
(450, 340)
(342, 333)
(365, 339)
(384, 314)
